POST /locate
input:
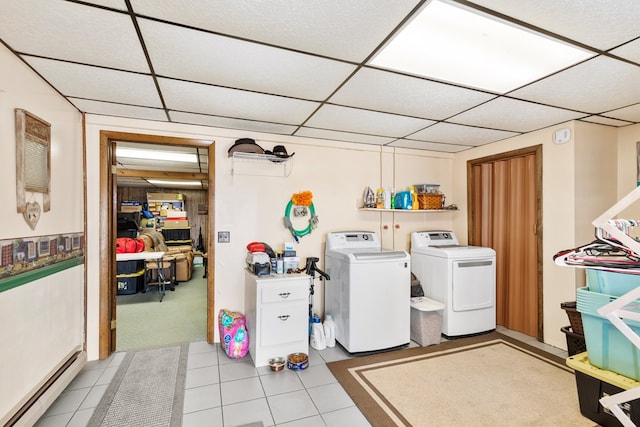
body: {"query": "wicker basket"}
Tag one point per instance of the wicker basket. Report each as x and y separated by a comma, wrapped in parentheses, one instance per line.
(575, 318)
(575, 342)
(429, 201)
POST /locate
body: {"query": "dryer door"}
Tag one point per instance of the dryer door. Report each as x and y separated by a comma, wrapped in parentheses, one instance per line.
(473, 284)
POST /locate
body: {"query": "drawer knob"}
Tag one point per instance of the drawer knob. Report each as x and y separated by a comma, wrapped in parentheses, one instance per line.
(285, 294)
(283, 317)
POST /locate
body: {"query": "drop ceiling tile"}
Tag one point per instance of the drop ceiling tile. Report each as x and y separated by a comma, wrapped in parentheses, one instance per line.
(230, 123)
(367, 122)
(430, 146)
(342, 136)
(401, 94)
(448, 133)
(231, 103)
(600, 84)
(199, 56)
(100, 84)
(605, 121)
(630, 113)
(119, 110)
(344, 30)
(73, 32)
(630, 51)
(514, 115)
(578, 20)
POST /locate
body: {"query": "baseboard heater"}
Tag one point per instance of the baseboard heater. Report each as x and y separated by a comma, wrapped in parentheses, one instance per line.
(43, 397)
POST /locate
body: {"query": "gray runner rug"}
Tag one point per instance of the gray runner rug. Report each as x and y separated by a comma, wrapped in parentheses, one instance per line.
(147, 390)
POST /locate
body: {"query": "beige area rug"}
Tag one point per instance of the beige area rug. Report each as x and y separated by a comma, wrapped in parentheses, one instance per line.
(146, 391)
(488, 380)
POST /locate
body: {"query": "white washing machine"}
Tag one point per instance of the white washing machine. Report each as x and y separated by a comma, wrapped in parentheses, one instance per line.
(463, 278)
(369, 292)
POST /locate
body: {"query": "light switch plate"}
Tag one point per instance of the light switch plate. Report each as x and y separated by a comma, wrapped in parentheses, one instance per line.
(224, 236)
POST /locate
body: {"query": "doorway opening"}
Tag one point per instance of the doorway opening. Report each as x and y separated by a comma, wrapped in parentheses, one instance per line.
(505, 213)
(109, 174)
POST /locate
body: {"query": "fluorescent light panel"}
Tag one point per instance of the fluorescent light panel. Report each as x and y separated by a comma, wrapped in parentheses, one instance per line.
(452, 43)
(176, 182)
(134, 153)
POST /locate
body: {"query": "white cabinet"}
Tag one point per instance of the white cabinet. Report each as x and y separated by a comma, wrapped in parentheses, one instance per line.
(277, 313)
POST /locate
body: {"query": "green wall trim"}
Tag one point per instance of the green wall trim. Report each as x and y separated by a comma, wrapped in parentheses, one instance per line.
(30, 276)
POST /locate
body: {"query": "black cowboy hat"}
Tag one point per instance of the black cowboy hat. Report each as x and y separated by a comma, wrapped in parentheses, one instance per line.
(245, 145)
(279, 151)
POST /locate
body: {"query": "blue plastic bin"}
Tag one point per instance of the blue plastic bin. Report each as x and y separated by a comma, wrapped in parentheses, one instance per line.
(610, 282)
(607, 347)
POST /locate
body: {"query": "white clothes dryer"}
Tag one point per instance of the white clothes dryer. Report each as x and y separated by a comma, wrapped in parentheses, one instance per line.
(369, 293)
(463, 278)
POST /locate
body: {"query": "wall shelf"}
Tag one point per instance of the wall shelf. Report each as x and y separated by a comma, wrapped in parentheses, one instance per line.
(260, 165)
(407, 210)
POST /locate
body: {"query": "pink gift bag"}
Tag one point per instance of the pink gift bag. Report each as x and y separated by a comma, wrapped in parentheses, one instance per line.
(233, 333)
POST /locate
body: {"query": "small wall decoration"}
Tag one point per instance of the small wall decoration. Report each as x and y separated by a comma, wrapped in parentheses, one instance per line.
(33, 165)
(299, 204)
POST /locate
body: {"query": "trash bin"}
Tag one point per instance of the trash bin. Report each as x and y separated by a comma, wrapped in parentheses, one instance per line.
(426, 321)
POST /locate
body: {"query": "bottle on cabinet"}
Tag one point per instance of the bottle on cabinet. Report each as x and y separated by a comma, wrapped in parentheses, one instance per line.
(380, 198)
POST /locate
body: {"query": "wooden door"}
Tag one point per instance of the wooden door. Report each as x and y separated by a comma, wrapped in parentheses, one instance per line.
(107, 227)
(505, 214)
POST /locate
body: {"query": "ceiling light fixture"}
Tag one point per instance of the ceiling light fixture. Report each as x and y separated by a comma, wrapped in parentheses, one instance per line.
(176, 182)
(456, 44)
(134, 153)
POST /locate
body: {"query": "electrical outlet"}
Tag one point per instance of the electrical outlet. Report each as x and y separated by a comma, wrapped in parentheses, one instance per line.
(224, 236)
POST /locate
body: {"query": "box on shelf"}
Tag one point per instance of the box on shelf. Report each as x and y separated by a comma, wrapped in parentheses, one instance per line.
(594, 383)
(127, 284)
(607, 347)
(611, 282)
(290, 263)
(575, 342)
(176, 223)
(426, 321)
(130, 208)
(176, 214)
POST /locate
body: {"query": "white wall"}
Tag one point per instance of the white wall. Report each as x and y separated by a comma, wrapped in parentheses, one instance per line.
(42, 321)
(252, 207)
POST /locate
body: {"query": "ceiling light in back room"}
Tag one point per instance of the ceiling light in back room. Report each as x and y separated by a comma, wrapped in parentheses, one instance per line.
(452, 43)
(134, 153)
(177, 182)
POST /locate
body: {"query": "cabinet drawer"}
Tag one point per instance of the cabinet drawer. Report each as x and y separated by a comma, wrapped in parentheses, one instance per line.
(282, 323)
(284, 293)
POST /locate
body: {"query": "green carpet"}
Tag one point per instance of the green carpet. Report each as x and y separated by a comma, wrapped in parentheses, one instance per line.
(143, 322)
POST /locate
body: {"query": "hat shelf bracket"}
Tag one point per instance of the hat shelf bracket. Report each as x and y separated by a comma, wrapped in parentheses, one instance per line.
(260, 164)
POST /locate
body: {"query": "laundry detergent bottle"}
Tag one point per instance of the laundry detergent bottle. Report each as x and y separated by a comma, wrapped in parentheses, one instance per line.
(317, 339)
(329, 331)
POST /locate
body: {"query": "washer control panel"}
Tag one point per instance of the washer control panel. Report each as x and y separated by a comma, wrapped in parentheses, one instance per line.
(433, 238)
(353, 240)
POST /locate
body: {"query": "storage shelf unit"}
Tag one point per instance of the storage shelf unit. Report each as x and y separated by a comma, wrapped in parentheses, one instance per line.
(260, 165)
(160, 203)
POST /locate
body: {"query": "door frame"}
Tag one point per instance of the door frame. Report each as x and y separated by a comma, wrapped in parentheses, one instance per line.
(535, 150)
(107, 230)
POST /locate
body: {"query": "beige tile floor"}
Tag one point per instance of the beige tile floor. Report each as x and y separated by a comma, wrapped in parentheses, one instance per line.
(224, 392)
